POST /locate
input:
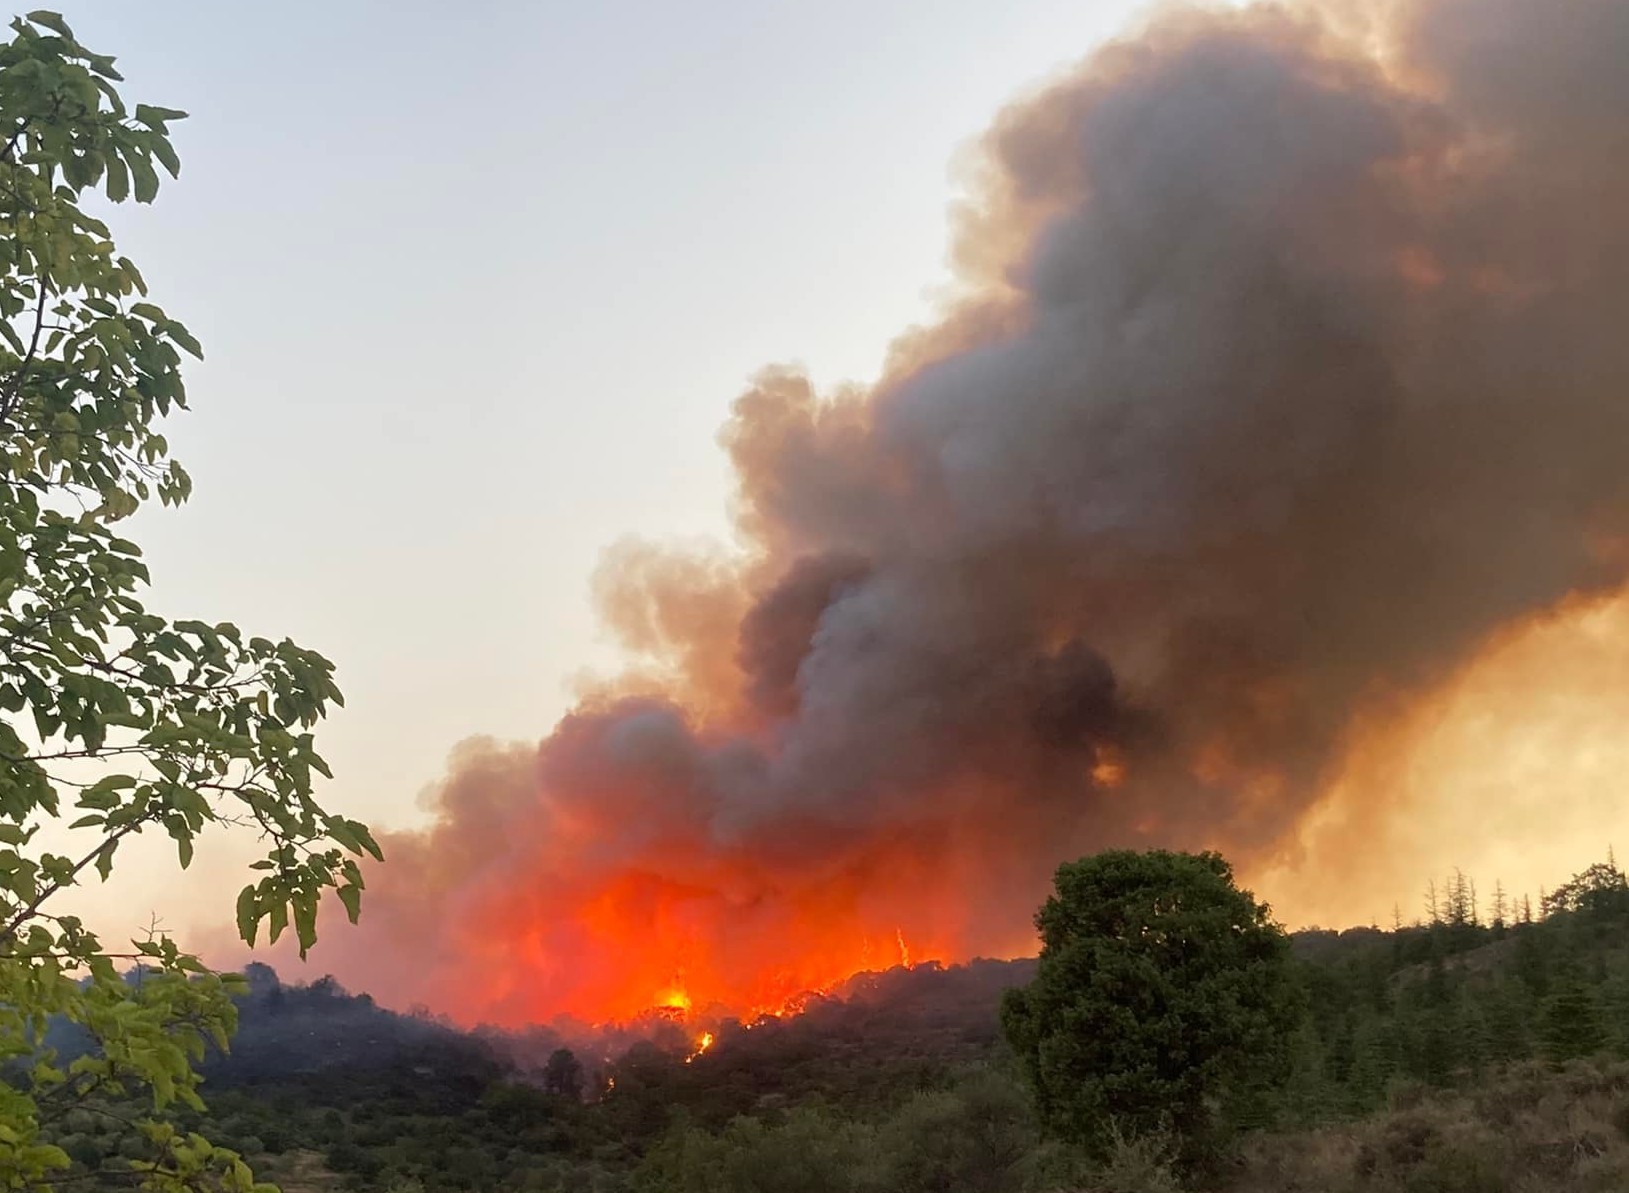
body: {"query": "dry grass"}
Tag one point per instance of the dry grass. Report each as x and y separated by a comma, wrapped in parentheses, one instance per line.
(1135, 1166)
(1534, 1129)
(297, 1172)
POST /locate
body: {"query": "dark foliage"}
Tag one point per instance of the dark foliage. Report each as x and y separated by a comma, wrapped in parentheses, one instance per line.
(1165, 1001)
(1425, 1054)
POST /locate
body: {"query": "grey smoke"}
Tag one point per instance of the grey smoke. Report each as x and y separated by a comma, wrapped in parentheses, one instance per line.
(1284, 377)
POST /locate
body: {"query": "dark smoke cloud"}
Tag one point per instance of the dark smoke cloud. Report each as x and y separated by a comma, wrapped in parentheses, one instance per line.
(1290, 366)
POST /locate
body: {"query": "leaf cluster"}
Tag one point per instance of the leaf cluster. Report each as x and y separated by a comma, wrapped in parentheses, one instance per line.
(110, 713)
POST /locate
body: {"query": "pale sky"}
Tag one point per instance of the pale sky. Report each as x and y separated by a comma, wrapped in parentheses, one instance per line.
(476, 284)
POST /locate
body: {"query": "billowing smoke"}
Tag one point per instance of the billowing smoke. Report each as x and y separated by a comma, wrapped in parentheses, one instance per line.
(1289, 366)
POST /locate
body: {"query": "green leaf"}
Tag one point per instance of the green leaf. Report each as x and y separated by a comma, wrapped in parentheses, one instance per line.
(117, 182)
(277, 915)
(351, 897)
(104, 859)
(367, 840)
(305, 920)
(185, 338)
(146, 178)
(248, 915)
(152, 116)
(53, 21)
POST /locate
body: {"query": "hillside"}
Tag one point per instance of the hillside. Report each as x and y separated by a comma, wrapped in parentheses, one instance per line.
(1451, 1055)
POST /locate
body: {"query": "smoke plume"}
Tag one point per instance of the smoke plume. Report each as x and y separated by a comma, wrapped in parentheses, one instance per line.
(1288, 369)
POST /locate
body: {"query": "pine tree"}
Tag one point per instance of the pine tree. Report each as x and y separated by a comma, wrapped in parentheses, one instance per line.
(1615, 1005)
(1573, 1025)
(1374, 1063)
(1507, 1015)
(1459, 905)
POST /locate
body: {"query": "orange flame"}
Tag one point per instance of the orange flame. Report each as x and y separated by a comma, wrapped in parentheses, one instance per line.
(675, 998)
(702, 1045)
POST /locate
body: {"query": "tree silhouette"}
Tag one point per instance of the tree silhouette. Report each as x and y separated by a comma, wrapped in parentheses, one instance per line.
(563, 1075)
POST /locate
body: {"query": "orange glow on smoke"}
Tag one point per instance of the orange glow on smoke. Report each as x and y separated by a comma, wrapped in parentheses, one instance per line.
(1107, 557)
(714, 935)
(1512, 771)
(1108, 768)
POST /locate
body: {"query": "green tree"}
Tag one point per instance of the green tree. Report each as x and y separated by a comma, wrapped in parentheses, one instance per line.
(563, 1075)
(110, 715)
(1507, 1015)
(1572, 1022)
(1374, 1062)
(1164, 1000)
(1600, 890)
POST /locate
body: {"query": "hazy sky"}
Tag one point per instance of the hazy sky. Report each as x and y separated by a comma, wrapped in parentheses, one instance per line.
(477, 282)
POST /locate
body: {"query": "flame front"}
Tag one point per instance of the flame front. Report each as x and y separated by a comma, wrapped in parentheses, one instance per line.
(716, 935)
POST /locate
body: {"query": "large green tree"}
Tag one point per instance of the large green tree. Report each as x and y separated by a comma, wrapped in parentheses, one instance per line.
(112, 717)
(1164, 1000)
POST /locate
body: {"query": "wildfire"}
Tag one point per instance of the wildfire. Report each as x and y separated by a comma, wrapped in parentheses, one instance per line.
(675, 998)
(1051, 585)
(702, 1045)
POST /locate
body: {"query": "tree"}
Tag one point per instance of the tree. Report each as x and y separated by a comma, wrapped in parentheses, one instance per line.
(1572, 1024)
(110, 714)
(1164, 1000)
(563, 1075)
(1600, 890)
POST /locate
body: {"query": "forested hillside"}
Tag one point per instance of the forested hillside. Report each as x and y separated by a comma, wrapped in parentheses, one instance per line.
(1457, 1053)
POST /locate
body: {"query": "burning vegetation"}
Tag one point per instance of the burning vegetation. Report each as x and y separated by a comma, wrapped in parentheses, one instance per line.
(1286, 376)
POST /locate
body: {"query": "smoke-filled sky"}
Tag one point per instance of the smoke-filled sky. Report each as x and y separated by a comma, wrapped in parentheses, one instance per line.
(1260, 482)
(477, 282)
